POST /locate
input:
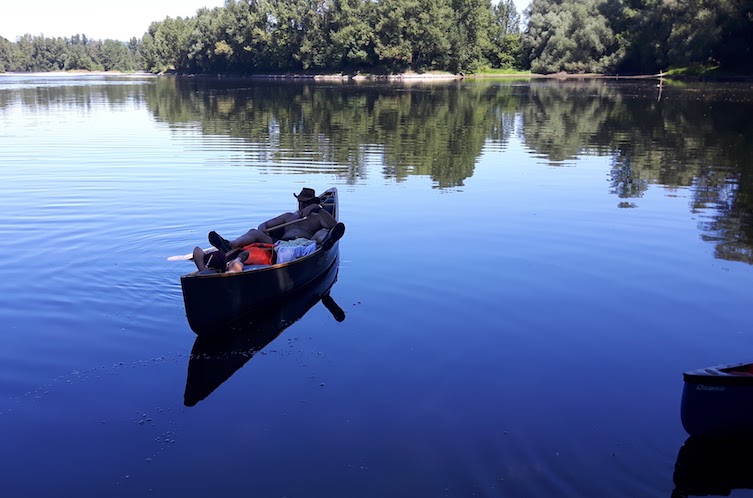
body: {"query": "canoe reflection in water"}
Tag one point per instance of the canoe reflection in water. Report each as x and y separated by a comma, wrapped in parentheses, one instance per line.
(216, 357)
(714, 465)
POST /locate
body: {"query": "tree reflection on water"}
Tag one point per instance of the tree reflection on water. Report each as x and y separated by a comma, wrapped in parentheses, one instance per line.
(693, 137)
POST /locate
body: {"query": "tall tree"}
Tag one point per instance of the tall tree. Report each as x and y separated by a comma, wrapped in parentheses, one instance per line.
(25, 54)
(413, 33)
(505, 35)
(666, 33)
(293, 39)
(8, 55)
(165, 45)
(569, 35)
(78, 58)
(351, 33)
(507, 17)
(116, 56)
(735, 48)
(472, 34)
(133, 47)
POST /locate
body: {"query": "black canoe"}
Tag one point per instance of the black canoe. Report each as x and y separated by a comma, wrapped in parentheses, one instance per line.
(216, 300)
(718, 400)
(216, 357)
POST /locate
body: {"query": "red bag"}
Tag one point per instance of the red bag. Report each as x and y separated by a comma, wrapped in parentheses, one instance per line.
(259, 253)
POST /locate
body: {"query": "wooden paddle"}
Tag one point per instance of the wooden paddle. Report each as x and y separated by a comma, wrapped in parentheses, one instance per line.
(189, 256)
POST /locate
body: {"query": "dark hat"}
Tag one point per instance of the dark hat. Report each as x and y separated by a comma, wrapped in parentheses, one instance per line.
(306, 194)
(215, 260)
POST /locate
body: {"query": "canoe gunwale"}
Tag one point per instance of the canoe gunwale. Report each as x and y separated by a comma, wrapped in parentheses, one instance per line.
(721, 374)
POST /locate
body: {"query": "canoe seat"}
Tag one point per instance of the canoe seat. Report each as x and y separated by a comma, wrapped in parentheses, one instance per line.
(329, 205)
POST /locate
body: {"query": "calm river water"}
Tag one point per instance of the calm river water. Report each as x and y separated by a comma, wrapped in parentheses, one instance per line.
(528, 269)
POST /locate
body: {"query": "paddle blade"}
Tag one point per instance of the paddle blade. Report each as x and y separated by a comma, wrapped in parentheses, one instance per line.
(189, 256)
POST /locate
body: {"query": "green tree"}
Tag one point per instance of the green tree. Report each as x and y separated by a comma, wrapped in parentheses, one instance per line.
(735, 48)
(294, 35)
(507, 17)
(165, 45)
(200, 56)
(25, 54)
(148, 49)
(116, 56)
(232, 38)
(94, 50)
(134, 49)
(413, 33)
(505, 35)
(695, 30)
(47, 54)
(8, 55)
(351, 35)
(666, 33)
(661, 34)
(472, 34)
(312, 50)
(78, 58)
(569, 35)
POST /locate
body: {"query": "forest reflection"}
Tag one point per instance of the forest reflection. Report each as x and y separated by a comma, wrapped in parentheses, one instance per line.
(691, 136)
(82, 92)
(687, 136)
(437, 130)
(674, 137)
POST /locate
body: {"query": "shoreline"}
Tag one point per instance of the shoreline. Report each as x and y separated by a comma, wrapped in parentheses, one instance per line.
(409, 77)
(436, 76)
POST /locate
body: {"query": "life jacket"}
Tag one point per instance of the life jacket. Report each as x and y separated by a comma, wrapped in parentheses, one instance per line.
(259, 253)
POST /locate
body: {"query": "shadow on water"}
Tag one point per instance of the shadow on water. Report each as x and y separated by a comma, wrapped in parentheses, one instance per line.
(214, 360)
(714, 465)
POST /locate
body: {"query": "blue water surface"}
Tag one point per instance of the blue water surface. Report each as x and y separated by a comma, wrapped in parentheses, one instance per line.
(527, 270)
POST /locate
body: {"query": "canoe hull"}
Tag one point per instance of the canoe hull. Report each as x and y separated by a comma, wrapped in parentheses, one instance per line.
(715, 401)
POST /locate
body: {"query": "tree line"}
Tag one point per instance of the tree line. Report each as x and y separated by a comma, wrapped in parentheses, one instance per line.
(41, 54)
(252, 36)
(262, 36)
(638, 36)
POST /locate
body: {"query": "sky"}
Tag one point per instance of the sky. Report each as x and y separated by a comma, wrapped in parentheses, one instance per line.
(99, 19)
